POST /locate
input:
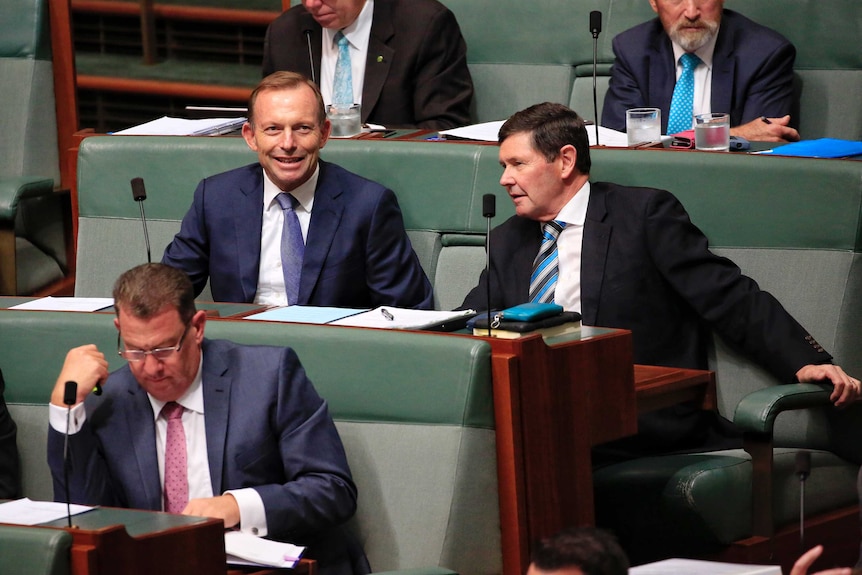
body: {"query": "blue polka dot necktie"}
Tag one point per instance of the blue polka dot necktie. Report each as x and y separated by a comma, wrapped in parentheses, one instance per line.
(546, 269)
(682, 104)
(342, 86)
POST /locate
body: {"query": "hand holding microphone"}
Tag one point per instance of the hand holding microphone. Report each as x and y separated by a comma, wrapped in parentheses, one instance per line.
(85, 365)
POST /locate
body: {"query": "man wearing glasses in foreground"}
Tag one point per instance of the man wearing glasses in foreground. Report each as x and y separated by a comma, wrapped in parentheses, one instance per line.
(262, 451)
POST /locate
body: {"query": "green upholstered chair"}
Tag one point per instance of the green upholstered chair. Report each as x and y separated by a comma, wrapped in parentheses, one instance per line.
(34, 551)
(32, 214)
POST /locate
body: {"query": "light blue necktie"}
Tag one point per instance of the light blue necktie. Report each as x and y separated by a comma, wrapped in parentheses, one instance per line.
(342, 86)
(682, 104)
(292, 246)
(546, 269)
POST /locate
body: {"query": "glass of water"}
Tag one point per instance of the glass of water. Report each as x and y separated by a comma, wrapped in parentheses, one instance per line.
(712, 132)
(346, 120)
(643, 125)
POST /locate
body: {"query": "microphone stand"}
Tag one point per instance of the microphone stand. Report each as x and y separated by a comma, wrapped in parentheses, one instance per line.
(69, 394)
(803, 470)
(489, 209)
(595, 28)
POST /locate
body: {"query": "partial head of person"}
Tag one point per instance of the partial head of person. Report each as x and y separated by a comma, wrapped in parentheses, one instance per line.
(287, 127)
(159, 330)
(579, 551)
(545, 155)
(689, 23)
(334, 14)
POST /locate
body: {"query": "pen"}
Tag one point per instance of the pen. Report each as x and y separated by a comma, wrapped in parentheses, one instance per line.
(386, 313)
(292, 559)
(765, 120)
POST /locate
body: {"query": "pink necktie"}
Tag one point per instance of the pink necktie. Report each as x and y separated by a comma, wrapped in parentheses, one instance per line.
(176, 467)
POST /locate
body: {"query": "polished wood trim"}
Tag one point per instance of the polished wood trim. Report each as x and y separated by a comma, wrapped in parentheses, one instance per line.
(163, 88)
(65, 93)
(658, 387)
(170, 11)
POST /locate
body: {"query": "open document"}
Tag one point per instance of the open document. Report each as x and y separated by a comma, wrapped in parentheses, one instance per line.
(28, 512)
(167, 126)
(487, 132)
(388, 317)
(245, 549)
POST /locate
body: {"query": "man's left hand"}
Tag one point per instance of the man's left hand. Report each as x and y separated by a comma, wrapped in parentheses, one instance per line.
(221, 507)
(845, 388)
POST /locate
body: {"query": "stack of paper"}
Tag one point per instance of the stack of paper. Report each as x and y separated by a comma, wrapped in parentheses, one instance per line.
(245, 549)
(697, 567)
(167, 126)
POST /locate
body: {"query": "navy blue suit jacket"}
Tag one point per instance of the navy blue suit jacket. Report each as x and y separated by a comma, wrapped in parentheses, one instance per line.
(647, 268)
(752, 72)
(266, 428)
(357, 253)
(416, 72)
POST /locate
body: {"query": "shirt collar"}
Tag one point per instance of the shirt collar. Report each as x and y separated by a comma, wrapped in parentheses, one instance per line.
(575, 210)
(192, 399)
(304, 194)
(359, 31)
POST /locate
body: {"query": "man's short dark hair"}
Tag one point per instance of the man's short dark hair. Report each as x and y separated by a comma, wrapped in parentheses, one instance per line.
(593, 551)
(551, 126)
(285, 80)
(146, 290)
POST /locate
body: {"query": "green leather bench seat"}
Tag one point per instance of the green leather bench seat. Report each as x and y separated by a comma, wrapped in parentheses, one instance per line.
(414, 412)
(34, 551)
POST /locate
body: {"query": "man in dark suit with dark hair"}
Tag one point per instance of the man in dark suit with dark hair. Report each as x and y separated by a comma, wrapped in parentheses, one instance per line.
(258, 448)
(743, 69)
(356, 251)
(412, 53)
(631, 258)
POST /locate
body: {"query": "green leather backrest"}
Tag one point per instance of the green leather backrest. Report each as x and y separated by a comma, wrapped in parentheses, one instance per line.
(34, 551)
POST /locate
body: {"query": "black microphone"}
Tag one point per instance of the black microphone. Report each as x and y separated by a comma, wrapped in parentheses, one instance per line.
(489, 210)
(140, 194)
(595, 28)
(69, 395)
(803, 470)
(307, 33)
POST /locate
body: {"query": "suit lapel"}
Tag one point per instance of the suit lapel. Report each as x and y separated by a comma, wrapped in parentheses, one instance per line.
(140, 423)
(379, 58)
(248, 222)
(307, 22)
(662, 71)
(597, 235)
(723, 68)
(325, 217)
(216, 388)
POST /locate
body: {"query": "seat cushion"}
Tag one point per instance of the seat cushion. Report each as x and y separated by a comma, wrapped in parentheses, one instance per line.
(685, 505)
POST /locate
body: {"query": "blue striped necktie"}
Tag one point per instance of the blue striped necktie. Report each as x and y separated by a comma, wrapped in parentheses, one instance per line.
(292, 246)
(682, 104)
(342, 86)
(546, 268)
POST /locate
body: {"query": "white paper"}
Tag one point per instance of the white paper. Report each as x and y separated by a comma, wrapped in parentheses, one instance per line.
(167, 126)
(487, 132)
(27, 512)
(52, 303)
(698, 567)
(245, 549)
(305, 314)
(388, 317)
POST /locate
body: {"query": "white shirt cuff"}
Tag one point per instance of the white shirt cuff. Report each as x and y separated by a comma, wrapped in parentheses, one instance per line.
(252, 515)
(57, 418)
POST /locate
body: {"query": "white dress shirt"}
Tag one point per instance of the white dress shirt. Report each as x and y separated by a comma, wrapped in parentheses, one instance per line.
(569, 247)
(357, 34)
(270, 276)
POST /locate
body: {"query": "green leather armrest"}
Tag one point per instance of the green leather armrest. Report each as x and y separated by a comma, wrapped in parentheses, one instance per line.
(756, 412)
(13, 190)
(418, 571)
(34, 551)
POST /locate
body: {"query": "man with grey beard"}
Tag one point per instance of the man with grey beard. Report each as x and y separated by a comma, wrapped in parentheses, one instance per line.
(741, 68)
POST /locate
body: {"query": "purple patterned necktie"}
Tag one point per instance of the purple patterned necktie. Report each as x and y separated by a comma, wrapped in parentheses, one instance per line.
(176, 491)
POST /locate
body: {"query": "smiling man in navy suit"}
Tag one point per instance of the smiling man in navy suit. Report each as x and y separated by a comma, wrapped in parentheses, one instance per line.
(744, 69)
(356, 251)
(260, 449)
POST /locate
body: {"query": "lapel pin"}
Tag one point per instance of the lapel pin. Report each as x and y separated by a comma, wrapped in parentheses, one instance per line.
(379, 59)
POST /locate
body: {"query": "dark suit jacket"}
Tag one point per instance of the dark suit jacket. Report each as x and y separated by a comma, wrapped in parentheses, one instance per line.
(266, 428)
(752, 72)
(416, 73)
(10, 465)
(357, 253)
(647, 268)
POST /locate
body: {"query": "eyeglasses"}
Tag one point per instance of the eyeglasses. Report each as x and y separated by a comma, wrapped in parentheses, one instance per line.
(160, 353)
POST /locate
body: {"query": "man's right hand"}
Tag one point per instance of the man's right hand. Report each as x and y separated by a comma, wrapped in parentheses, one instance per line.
(84, 365)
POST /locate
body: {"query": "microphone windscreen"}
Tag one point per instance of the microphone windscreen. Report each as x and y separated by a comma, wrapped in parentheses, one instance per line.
(70, 392)
(595, 21)
(489, 205)
(803, 464)
(138, 190)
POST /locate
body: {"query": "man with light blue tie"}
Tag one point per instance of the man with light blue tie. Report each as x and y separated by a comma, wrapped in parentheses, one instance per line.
(291, 228)
(630, 258)
(696, 58)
